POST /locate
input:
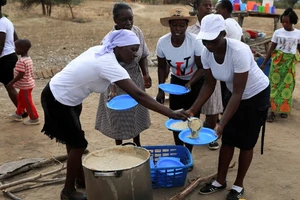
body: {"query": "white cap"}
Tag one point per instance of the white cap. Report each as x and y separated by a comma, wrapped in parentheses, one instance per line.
(211, 26)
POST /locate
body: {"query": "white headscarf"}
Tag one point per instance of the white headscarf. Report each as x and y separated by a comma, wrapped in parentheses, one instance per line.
(118, 38)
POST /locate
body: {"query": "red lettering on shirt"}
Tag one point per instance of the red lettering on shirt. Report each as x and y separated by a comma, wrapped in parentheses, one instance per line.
(178, 70)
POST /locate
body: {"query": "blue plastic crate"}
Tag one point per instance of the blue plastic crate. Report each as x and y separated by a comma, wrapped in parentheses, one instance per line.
(260, 60)
(169, 176)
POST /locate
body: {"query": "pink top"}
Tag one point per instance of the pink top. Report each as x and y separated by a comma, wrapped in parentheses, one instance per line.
(25, 64)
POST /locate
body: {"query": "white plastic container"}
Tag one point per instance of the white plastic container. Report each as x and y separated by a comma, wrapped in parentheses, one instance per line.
(270, 2)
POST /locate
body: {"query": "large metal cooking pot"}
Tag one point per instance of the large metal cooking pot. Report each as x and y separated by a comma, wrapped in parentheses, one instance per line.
(118, 173)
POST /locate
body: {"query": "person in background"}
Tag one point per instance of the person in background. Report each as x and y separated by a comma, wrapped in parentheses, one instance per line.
(232, 61)
(213, 107)
(233, 1)
(233, 30)
(24, 81)
(92, 71)
(123, 125)
(283, 51)
(180, 51)
(8, 57)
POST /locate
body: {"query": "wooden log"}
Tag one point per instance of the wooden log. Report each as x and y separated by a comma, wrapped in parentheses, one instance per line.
(28, 187)
(188, 189)
(27, 168)
(18, 182)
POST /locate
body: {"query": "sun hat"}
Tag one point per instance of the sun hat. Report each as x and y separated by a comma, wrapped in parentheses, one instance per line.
(117, 38)
(178, 13)
(211, 26)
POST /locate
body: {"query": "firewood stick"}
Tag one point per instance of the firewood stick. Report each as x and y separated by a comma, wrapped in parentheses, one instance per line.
(47, 180)
(188, 189)
(30, 178)
(12, 196)
(9, 194)
(28, 187)
(26, 168)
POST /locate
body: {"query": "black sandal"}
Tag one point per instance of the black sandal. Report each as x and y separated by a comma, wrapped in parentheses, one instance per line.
(271, 117)
(75, 195)
(284, 115)
(80, 184)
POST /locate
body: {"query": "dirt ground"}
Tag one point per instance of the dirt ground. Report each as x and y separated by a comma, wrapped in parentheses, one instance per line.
(57, 40)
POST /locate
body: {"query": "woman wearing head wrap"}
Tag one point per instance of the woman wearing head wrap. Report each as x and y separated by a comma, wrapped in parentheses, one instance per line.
(92, 71)
(128, 123)
(232, 61)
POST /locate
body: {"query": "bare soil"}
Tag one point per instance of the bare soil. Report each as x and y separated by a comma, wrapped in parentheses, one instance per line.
(57, 40)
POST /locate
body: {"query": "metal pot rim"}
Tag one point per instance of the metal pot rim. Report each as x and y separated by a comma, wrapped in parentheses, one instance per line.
(118, 148)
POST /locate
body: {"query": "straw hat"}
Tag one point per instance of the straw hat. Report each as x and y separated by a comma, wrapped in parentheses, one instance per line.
(178, 13)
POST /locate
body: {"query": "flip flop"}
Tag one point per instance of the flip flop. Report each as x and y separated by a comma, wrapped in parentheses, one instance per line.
(283, 115)
(271, 117)
(64, 195)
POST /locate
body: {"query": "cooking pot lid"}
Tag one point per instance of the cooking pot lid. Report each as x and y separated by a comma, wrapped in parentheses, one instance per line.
(116, 158)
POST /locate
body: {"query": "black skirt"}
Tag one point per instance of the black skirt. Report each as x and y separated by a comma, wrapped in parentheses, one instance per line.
(243, 128)
(62, 122)
(7, 65)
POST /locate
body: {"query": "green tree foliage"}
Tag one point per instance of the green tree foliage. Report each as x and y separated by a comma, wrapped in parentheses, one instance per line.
(286, 3)
(46, 5)
(69, 3)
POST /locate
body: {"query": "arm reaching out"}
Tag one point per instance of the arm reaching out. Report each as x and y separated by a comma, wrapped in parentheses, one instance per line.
(144, 99)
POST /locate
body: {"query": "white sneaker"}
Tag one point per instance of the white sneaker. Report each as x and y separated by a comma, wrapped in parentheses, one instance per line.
(32, 122)
(213, 145)
(15, 117)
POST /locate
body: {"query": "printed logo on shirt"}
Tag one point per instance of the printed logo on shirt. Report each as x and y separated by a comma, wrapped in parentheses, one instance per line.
(180, 68)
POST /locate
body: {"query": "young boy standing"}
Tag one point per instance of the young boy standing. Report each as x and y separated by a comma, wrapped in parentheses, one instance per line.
(24, 81)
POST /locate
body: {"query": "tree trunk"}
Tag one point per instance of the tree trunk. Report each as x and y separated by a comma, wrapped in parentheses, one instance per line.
(49, 6)
(71, 9)
(43, 7)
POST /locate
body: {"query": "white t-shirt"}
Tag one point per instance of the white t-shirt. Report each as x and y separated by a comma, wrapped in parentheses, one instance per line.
(180, 59)
(238, 59)
(287, 41)
(233, 29)
(8, 28)
(86, 74)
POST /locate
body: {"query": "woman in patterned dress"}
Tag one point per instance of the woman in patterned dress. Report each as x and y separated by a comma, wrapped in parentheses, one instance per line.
(123, 125)
(283, 51)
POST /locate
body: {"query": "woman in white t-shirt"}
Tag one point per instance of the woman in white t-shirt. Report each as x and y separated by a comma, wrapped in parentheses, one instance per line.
(180, 52)
(92, 71)
(8, 57)
(233, 30)
(231, 61)
(283, 50)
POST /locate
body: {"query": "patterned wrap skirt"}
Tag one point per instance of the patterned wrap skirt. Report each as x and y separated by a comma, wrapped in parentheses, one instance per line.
(125, 124)
(282, 80)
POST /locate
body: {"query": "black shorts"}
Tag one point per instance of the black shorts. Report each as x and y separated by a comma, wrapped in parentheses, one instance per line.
(62, 122)
(243, 129)
(7, 65)
(185, 101)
